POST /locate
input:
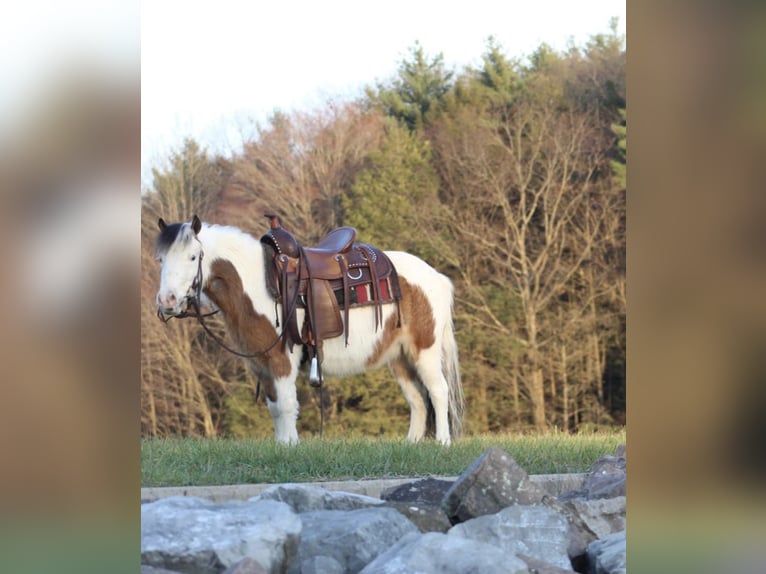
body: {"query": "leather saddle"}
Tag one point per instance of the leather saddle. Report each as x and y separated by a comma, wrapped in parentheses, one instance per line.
(334, 276)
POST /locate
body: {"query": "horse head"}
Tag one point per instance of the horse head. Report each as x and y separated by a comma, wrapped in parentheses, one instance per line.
(179, 251)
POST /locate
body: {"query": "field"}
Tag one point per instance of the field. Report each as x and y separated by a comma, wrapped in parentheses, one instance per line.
(199, 462)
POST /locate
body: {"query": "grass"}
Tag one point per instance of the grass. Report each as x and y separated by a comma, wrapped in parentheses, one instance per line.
(202, 462)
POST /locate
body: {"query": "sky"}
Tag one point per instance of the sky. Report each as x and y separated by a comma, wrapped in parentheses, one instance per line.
(212, 70)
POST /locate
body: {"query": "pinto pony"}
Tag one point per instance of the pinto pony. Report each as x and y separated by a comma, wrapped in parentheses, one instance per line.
(223, 268)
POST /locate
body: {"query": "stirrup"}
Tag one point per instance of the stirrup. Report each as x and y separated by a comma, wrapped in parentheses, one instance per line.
(315, 377)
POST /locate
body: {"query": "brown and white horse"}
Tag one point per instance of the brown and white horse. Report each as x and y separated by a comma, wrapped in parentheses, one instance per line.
(417, 344)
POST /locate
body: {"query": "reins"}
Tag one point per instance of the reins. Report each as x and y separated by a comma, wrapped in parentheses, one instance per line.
(197, 314)
(197, 286)
(194, 301)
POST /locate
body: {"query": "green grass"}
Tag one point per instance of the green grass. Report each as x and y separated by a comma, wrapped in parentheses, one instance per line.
(200, 462)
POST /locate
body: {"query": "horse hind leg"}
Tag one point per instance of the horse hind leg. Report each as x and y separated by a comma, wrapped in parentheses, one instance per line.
(415, 393)
(429, 368)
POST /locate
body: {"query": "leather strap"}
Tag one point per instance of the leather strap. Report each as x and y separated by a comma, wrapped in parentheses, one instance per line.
(346, 292)
(374, 286)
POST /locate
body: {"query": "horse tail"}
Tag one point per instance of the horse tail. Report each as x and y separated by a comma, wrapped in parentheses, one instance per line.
(451, 366)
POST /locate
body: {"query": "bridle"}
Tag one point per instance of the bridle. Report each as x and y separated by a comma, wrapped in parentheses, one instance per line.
(193, 303)
(190, 300)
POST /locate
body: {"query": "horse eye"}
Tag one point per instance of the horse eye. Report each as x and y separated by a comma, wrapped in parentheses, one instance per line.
(193, 257)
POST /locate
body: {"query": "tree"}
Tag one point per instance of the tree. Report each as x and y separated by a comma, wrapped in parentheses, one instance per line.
(389, 197)
(499, 75)
(300, 166)
(417, 93)
(182, 382)
(520, 193)
(190, 183)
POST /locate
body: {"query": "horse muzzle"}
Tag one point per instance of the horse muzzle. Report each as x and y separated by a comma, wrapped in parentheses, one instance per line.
(179, 310)
(165, 314)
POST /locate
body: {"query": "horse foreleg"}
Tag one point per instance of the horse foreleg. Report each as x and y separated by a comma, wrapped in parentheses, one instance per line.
(411, 387)
(284, 411)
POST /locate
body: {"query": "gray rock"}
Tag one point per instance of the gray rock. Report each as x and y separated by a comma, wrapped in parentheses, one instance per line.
(424, 492)
(307, 498)
(420, 501)
(604, 485)
(579, 534)
(536, 531)
(322, 565)
(537, 566)
(608, 464)
(492, 482)
(588, 520)
(426, 518)
(196, 536)
(246, 566)
(346, 541)
(152, 570)
(435, 553)
(608, 555)
(606, 479)
(602, 516)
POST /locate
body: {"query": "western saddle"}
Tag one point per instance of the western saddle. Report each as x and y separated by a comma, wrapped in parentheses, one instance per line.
(337, 273)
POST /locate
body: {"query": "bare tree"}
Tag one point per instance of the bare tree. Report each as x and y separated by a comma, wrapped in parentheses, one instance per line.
(299, 167)
(178, 379)
(520, 195)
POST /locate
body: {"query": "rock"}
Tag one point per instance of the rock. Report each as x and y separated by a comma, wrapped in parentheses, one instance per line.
(196, 536)
(503, 522)
(424, 492)
(608, 555)
(152, 570)
(246, 566)
(426, 518)
(322, 565)
(536, 531)
(602, 516)
(435, 553)
(579, 534)
(346, 541)
(307, 498)
(606, 479)
(588, 521)
(605, 486)
(537, 566)
(608, 464)
(420, 501)
(492, 482)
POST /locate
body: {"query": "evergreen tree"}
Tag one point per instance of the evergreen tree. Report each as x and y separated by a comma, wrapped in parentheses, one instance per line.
(418, 91)
(388, 197)
(498, 74)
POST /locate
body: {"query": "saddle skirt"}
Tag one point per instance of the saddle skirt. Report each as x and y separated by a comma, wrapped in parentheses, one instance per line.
(335, 276)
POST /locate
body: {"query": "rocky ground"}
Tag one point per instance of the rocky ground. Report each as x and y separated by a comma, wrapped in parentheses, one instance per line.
(492, 519)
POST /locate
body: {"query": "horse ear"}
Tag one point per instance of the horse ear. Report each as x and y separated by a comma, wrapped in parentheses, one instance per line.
(162, 224)
(196, 224)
